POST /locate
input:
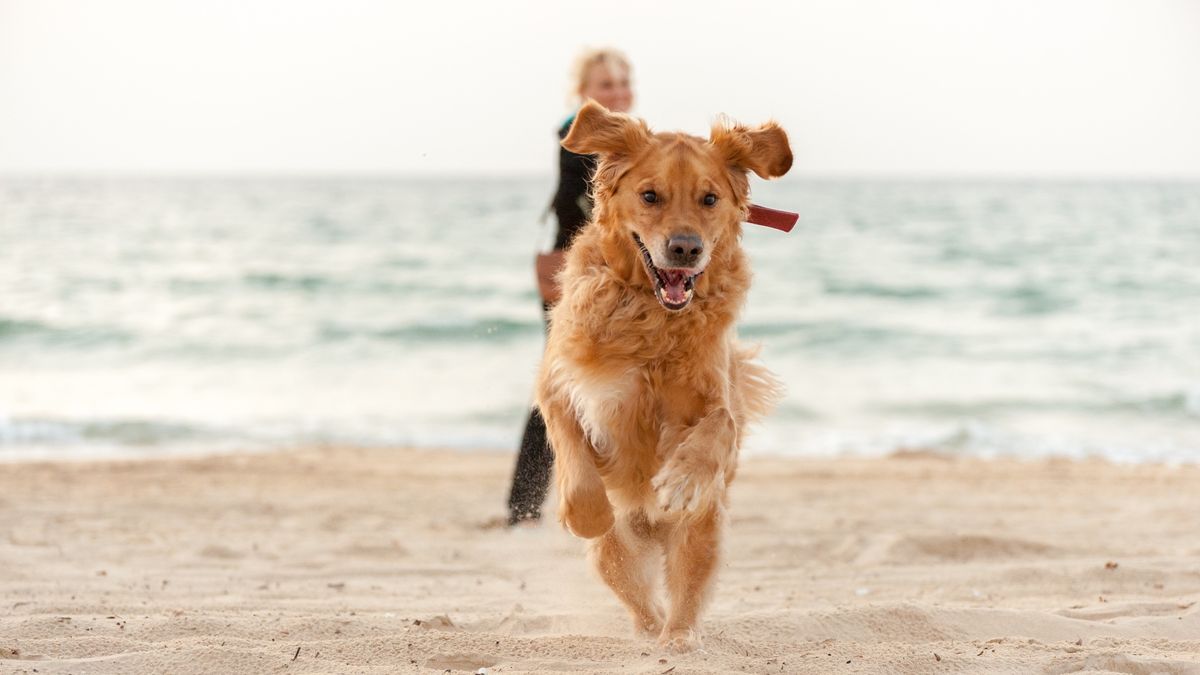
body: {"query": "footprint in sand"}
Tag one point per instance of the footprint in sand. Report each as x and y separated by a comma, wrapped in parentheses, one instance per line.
(963, 548)
(468, 662)
(1128, 609)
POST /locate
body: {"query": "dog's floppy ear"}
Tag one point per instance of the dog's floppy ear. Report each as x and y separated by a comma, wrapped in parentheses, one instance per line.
(596, 131)
(763, 149)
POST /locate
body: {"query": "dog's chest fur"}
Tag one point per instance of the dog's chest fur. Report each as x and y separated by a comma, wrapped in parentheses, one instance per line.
(601, 401)
(628, 408)
(632, 373)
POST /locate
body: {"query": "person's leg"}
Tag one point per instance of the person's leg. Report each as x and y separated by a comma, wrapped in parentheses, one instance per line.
(531, 478)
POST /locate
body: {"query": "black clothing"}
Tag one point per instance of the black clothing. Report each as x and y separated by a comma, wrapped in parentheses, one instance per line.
(531, 477)
(573, 209)
(572, 201)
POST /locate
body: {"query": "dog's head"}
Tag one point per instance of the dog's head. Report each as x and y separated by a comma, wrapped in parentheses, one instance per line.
(677, 200)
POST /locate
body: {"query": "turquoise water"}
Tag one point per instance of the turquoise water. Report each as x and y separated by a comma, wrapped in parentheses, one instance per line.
(156, 316)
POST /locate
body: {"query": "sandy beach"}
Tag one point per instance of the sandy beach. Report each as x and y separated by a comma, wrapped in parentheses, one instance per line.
(337, 560)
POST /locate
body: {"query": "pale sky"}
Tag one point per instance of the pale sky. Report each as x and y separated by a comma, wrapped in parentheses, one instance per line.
(1070, 88)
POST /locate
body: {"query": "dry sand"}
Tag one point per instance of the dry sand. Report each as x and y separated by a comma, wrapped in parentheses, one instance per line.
(389, 561)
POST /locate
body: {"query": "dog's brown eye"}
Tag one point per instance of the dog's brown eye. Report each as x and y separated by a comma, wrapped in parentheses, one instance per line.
(710, 199)
(650, 196)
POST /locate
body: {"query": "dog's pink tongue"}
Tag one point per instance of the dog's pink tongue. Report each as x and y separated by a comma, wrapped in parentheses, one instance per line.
(674, 287)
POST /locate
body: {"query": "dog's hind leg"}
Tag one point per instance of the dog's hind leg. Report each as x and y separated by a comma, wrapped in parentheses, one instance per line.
(693, 549)
(627, 558)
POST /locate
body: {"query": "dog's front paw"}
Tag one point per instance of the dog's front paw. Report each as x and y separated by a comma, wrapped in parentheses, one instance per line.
(586, 511)
(686, 486)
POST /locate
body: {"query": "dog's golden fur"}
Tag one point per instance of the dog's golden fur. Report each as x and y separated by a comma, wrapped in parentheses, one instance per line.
(645, 403)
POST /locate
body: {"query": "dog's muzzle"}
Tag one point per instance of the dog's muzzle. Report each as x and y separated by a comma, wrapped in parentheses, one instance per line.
(673, 286)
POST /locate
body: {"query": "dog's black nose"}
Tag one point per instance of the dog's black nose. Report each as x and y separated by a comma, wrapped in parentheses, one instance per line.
(683, 250)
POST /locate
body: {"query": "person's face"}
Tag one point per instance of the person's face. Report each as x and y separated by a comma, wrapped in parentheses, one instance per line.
(609, 86)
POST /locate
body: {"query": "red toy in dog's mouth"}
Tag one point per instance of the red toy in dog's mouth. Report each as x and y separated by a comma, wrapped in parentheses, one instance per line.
(673, 287)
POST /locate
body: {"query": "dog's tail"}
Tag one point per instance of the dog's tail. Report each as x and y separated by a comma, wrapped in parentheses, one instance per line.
(757, 388)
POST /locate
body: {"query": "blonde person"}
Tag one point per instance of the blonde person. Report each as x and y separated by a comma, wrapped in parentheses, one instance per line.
(602, 75)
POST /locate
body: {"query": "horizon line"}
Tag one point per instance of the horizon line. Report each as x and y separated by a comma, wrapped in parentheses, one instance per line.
(408, 175)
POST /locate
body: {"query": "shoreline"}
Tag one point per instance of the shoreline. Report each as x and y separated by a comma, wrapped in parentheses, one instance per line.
(391, 560)
(102, 453)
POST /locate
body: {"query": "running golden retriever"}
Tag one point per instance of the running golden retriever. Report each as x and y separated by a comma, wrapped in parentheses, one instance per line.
(644, 388)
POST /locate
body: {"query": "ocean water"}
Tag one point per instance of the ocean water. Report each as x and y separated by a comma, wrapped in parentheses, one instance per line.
(149, 316)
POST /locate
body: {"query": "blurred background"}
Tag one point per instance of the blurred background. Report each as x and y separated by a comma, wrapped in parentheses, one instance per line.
(261, 224)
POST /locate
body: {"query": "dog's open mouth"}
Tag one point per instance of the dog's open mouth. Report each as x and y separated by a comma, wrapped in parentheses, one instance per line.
(672, 286)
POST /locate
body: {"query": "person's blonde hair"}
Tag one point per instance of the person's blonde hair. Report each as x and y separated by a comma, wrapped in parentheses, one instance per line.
(605, 56)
